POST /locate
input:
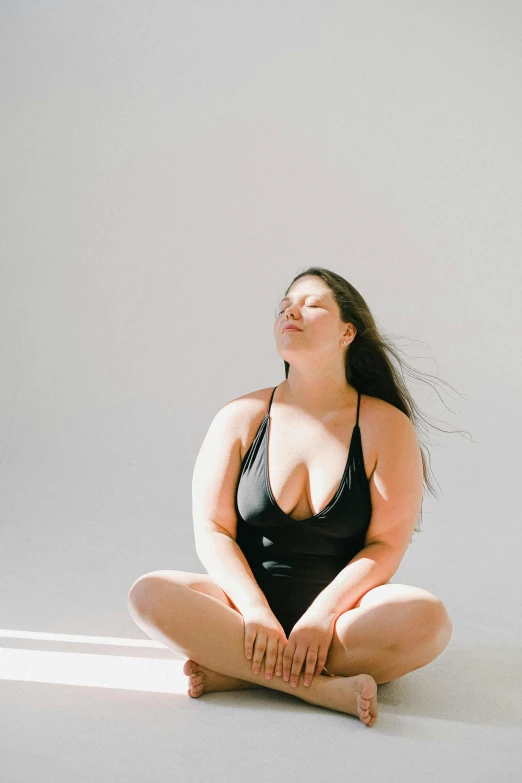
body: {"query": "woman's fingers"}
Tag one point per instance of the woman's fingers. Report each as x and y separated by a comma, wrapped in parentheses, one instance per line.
(311, 661)
(297, 665)
(293, 663)
(279, 664)
(271, 655)
(287, 659)
(259, 652)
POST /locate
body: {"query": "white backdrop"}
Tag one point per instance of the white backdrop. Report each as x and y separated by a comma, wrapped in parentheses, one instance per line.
(167, 169)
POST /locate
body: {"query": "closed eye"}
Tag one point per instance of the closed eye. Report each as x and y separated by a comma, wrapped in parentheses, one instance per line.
(282, 311)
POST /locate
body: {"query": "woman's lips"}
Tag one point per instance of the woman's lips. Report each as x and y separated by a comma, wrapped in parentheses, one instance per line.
(291, 329)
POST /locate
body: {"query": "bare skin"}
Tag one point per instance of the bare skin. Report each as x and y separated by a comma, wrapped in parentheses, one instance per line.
(353, 695)
(202, 680)
(382, 638)
(174, 614)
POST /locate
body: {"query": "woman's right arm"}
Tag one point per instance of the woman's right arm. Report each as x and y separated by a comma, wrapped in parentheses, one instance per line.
(214, 481)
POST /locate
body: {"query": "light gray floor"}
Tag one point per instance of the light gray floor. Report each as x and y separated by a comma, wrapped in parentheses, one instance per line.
(91, 711)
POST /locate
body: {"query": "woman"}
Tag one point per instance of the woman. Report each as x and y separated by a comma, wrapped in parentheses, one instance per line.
(298, 560)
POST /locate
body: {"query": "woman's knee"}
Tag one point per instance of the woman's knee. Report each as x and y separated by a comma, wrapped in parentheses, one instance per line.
(157, 588)
(153, 586)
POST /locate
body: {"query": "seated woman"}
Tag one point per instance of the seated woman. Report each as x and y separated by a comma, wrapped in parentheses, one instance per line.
(305, 498)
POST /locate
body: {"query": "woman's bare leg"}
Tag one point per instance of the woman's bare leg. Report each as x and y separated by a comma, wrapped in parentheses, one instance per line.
(175, 615)
(201, 678)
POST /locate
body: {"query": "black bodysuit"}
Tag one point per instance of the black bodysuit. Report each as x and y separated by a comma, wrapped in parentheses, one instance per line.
(293, 560)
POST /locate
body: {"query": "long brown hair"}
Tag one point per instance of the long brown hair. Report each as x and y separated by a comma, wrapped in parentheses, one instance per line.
(369, 362)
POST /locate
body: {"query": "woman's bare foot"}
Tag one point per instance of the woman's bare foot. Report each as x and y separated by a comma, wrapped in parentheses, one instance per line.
(202, 680)
(356, 695)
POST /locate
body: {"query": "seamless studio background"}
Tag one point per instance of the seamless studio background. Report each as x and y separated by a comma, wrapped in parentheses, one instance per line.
(167, 169)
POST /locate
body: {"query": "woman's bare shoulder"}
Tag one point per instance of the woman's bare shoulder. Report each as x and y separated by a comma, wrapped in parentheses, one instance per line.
(383, 424)
(379, 412)
(258, 394)
(247, 411)
(247, 408)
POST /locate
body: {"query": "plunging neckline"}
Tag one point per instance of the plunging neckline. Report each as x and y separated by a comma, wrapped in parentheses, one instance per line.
(336, 494)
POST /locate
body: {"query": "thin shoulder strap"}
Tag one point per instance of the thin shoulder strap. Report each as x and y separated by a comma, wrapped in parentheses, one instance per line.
(271, 398)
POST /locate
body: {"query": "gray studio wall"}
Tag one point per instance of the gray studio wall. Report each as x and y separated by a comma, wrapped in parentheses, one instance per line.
(167, 169)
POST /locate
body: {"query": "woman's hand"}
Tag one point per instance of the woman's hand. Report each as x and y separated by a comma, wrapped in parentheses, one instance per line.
(264, 633)
(308, 643)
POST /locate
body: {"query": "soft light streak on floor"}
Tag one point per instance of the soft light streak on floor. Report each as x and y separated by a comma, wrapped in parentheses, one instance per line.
(71, 664)
(65, 637)
(96, 671)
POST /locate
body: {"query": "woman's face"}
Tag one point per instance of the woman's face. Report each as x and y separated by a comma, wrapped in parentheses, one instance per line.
(311, 307)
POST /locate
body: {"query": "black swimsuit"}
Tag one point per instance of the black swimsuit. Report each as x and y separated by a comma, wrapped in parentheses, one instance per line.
(293, 560)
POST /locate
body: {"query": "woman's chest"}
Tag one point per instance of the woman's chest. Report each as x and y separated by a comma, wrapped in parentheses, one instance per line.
(306, 463)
